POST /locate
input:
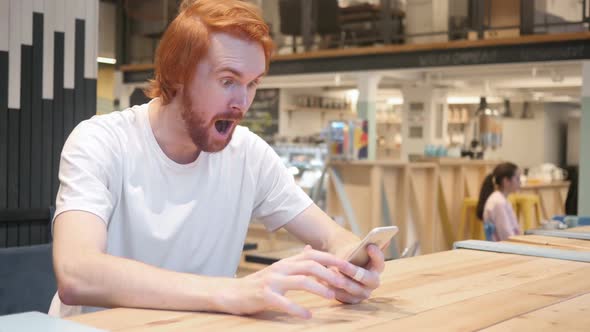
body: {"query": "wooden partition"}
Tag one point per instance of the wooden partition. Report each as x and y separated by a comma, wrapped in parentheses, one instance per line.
(552, 197)
(424, 199)
(388, 193)
(458, 180)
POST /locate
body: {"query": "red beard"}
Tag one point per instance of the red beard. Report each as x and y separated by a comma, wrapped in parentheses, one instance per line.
(202, 132)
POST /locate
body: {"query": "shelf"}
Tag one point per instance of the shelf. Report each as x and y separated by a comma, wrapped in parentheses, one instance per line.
(390, 147)
(389, 122)
(317, 109)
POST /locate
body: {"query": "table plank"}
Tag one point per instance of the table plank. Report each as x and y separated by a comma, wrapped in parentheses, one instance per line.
(551, 242)
(580, 229)
(479, 312)
(476, 289)
(569, 315)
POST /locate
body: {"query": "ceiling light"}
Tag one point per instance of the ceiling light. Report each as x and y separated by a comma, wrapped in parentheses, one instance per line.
(109, 61)
(352, 96)
(557, 77)
(395, 101)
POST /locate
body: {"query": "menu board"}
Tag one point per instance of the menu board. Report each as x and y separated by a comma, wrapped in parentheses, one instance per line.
(263, 116)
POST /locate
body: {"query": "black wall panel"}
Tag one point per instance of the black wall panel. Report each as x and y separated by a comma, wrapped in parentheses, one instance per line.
(79, 96)
(36, 111)
(24, 197)
(3, 130)
(32, 137)
(58, 110)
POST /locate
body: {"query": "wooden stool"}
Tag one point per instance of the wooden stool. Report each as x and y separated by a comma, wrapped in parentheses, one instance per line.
(470, 219)
(525, 205)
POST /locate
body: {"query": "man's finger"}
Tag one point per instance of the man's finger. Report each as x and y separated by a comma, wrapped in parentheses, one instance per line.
(304, 283)
(314, 269)
(346, 297)
(363, 278)
(377, 259)
(284, 304)
(325, 258)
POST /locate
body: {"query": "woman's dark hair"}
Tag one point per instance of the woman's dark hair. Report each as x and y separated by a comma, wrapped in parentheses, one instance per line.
(503, 170)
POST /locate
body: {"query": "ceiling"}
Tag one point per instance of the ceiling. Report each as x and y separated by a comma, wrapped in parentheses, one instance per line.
(541, 81)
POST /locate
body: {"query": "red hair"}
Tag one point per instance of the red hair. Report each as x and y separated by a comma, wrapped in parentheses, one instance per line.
(186, 41)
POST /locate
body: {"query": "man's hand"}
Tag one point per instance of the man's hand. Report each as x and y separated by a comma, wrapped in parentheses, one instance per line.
(315, 227)
(308, 271)
(362, 281)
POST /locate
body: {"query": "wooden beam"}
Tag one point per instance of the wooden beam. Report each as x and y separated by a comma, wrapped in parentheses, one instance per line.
(457, 44)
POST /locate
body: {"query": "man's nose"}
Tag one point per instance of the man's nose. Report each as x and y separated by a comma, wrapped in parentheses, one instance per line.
(239, 100)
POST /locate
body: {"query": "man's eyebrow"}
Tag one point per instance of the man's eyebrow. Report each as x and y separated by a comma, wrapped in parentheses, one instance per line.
(235, 72)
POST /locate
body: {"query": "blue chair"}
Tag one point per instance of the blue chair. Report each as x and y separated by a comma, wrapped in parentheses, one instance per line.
(27, 281)
(582, 221)
(489, 230)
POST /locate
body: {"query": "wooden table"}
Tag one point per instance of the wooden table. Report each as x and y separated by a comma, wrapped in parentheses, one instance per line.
(551, 242)
(459, 290)
(580, 229)
(581, 232)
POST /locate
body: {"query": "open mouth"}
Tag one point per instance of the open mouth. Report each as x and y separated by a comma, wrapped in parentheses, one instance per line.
(223, 126)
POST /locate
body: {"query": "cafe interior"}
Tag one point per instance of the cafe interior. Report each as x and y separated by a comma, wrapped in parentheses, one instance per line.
(385, 112)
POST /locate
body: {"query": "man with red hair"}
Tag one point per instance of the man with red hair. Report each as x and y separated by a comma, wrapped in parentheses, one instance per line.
(155, 201)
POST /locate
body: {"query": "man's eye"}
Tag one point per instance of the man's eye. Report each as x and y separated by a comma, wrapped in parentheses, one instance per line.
(227, 82)
(254, 84)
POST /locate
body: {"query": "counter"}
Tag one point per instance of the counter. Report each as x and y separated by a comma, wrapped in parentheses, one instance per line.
(552, 197)
(423, 198)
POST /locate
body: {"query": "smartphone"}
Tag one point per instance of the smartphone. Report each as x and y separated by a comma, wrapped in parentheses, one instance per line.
(378, 236)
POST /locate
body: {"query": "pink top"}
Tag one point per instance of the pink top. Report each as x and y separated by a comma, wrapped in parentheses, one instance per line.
(499, 212)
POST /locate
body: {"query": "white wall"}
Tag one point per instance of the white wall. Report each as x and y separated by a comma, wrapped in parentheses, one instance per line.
(270, 13)
(557, 115)
(569, 10)
(426, 16)
(573, 140)
(304, 123)
(530, 142)
(523, 139)
(107, 29)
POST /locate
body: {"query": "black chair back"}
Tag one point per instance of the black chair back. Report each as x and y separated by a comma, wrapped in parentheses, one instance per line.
(27, 281)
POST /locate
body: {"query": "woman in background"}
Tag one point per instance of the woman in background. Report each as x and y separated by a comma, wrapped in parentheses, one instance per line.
(493, 205)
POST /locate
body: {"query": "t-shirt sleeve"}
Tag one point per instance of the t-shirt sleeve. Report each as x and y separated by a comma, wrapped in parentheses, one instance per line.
(278, 198)
(87, 171)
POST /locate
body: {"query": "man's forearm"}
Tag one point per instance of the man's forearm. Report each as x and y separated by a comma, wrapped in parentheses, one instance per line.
(102, 280)
(341, 242)
(314, 227)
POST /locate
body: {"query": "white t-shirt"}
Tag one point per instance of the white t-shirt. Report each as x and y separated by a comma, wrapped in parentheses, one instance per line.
(189, 218)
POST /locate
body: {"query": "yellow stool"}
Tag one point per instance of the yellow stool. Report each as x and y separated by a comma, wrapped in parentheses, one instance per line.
(469, 217)
(525, 205)
(512, 200)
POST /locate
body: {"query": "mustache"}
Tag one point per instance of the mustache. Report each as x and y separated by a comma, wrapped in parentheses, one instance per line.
(229, 115)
